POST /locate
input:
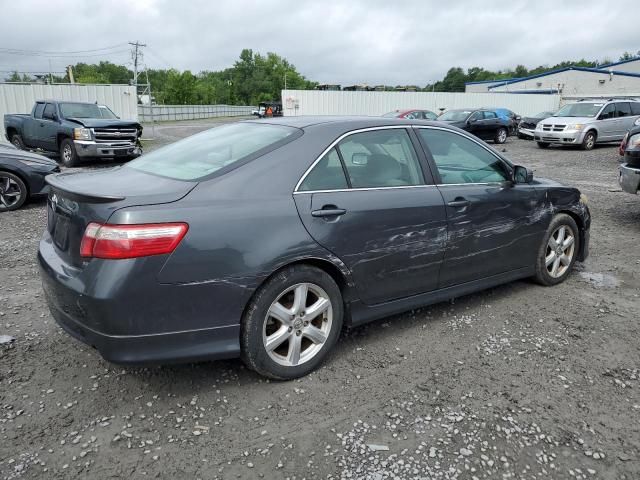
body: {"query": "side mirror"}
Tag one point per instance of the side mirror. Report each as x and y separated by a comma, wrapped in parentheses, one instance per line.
(522, 175)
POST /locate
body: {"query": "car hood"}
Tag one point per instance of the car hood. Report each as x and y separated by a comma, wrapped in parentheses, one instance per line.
(105, 123)
(567, 120)
(22, 155)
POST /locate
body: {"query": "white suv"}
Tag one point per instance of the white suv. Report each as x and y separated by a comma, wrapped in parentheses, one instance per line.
(586, 123)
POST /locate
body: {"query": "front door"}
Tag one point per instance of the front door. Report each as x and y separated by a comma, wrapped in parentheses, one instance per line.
(370, 202)
(608, 123)
(495, 226)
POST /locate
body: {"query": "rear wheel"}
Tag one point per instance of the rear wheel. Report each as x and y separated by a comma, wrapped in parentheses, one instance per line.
(16, 141)
(501, 135)
(558, 251)
(589, 141)
(13, 192)
(543, 144)
(68, 155)
(292, 323)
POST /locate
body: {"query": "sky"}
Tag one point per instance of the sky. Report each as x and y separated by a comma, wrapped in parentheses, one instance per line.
(345, 42)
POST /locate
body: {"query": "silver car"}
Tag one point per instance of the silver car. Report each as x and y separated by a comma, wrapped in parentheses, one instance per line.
(586, 123)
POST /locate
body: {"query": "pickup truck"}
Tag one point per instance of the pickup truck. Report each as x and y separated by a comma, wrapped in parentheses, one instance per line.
(629, 176)
(75, 130)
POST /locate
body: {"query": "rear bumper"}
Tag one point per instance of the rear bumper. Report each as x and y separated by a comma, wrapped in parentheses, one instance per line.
(86, 149)
(130, 318)
(629, 179)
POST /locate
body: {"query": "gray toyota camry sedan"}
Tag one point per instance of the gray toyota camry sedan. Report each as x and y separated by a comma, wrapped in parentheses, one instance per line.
(263, 239)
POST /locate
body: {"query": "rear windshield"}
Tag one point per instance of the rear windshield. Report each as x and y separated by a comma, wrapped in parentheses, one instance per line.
(455, 115)
(582, 109)
(203, 154)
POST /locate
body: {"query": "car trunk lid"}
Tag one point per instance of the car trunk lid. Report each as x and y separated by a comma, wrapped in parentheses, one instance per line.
(77, 199)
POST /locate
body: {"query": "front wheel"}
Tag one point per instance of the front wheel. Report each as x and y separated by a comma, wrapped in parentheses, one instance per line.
(16, 141)
(558, 251)
(501, 135)
(13, 192)
(68, 154)
(589, 141)
(292, 323)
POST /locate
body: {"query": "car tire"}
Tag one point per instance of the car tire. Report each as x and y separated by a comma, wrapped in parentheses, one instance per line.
(589, 140)
(543, 144)
(13, 192)
(501, 136)
(551, 269)
(68, 155)
(276, 314)
(16, 141)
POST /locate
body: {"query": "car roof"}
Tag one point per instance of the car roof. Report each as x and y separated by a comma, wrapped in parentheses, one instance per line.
(343, 121)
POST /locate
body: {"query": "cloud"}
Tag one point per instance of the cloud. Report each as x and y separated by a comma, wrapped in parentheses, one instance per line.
(373, 41)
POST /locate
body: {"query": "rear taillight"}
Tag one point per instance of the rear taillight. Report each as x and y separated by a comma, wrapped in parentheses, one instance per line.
(131, 241)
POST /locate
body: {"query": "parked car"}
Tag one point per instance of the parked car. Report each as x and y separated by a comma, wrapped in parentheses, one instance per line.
(527, 125)
(629, 175)
(512, 118)
(412, 114)
(268, 109)
(483, 123)
(74, 130)
(22, 176)
(587, 123)
(261, 239)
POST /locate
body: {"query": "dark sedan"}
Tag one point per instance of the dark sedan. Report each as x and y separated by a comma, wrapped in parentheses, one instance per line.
(262, 239)
(527, 125)
(22, 176)
(483, 123)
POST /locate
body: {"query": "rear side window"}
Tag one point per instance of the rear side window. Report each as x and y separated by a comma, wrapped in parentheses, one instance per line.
(635, 108)
(326, 175)
(206, 153)
(381, 158)
(39, 110)
(623, 109)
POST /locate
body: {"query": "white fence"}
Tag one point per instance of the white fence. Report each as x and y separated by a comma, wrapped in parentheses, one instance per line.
(20, 97)
(163, 113)
(323, 102)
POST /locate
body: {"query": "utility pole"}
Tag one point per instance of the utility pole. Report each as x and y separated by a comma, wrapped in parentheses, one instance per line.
(135, 53)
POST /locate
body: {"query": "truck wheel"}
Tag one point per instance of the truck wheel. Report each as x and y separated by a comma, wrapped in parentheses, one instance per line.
(68, 155)
(16, 141)
(589, 141)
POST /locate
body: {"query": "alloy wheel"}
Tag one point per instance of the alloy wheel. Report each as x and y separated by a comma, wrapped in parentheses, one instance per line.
(560, 251)
(67, 154)
(502, 136)
(297, 324)
(10, 193)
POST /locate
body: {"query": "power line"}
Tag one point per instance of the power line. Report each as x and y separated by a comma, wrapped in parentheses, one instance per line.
(44, 52)
(36, 54)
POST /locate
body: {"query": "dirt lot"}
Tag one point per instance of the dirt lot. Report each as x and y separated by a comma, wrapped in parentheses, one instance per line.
(518, 382)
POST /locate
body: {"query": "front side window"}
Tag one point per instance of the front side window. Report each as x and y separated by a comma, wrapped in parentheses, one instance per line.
(327, 174)
(49, 111)
(205, 153)
(39, 110)
(381, 158)
(455, 115)
(460, 160)
(429, 115)
(475, 116)
(608, 112)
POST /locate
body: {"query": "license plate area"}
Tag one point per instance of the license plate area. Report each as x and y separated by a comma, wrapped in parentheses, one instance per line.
(61, 232)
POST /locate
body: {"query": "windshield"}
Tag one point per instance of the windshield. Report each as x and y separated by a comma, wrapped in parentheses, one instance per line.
(543, 115)
(80, 110)
(203, 154)
(455, 115)
(105, 112)
(391, 114)
(582, 109)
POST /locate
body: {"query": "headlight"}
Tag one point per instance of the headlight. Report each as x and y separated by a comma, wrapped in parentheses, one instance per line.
(575, 126)
(637, 122)
(583, 199)
(539, 126)
(82, 134)
(634, 141)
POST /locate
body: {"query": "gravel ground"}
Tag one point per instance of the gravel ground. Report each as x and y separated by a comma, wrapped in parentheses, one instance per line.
(518, 382)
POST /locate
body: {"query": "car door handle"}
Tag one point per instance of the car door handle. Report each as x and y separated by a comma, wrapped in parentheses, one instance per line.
(459, 202)
(328, 212)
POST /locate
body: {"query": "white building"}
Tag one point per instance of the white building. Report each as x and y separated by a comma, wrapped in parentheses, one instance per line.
(615, 79)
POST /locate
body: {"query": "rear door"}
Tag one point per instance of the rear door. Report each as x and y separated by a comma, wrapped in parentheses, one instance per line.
(370, 201)
(32, 126)
(494, 226)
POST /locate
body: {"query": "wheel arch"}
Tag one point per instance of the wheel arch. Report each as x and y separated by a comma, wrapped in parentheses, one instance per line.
(62, 136)
(582, 227)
